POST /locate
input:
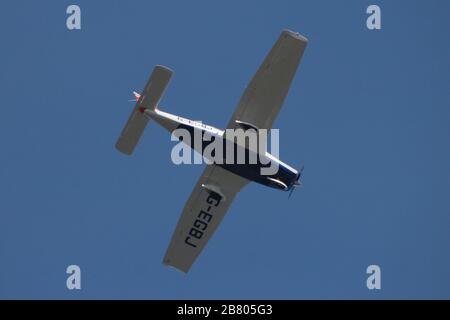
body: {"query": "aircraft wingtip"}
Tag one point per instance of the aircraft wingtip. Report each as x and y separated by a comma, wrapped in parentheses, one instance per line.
(168, 263)
(295, 35)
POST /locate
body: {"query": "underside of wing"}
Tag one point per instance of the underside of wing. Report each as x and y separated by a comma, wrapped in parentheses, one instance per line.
(264, 95)
(202, 214)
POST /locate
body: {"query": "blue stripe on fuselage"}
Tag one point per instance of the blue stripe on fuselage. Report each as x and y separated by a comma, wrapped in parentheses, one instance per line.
(252, 172)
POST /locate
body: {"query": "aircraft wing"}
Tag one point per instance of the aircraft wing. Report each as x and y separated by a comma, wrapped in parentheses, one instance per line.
(264, 95)
(202, 214)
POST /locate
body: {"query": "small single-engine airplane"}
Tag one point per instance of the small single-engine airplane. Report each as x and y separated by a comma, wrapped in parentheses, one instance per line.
(219, 183)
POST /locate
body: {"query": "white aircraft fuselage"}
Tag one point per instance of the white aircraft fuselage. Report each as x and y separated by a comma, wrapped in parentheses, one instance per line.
(285, 177)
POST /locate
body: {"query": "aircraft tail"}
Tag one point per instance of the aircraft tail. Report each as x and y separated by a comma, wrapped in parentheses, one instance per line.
(149, 99)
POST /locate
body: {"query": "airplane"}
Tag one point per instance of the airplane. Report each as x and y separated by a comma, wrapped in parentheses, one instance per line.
(220, 183)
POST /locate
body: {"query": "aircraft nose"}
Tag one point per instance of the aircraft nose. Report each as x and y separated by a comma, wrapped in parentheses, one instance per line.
(297, 181)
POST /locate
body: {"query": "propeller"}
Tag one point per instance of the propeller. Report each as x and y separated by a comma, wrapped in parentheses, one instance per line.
(292, 190)
(297, 182)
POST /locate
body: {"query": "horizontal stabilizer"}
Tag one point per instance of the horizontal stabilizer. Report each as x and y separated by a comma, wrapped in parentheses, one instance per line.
(149, 99)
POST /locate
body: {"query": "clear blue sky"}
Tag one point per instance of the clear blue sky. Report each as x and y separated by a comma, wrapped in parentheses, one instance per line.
(368, 115)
